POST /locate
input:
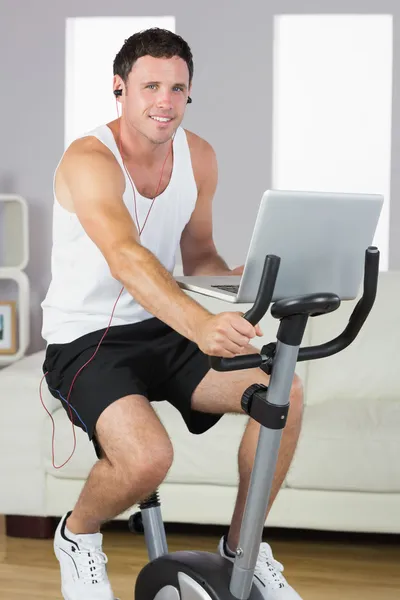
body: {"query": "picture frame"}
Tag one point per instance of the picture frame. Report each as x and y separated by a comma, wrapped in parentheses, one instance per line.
(8, 327)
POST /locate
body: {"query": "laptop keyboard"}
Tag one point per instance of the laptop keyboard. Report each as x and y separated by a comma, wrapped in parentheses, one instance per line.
(227, 288)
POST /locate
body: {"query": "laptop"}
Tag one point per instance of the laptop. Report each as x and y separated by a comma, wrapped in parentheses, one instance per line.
(321, 238)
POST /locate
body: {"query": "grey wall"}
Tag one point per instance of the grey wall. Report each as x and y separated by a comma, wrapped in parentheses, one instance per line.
(232, 45)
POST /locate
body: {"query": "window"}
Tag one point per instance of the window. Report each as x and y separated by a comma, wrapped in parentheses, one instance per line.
(91, 46)
(332, 107)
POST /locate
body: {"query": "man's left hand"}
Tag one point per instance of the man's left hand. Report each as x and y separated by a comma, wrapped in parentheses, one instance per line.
(237, 270)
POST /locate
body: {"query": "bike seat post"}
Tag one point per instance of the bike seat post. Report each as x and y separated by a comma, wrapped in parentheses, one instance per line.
(153, 525)
(262, 475)
(270, 407)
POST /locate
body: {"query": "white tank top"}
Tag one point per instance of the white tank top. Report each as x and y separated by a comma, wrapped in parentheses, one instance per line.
(82, 291)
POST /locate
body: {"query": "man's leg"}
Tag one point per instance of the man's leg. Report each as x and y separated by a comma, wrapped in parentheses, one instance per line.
(137, 454)
(246, 456)
(222, 393)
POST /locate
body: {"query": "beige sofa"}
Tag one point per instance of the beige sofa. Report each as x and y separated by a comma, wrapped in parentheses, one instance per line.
(346, 471)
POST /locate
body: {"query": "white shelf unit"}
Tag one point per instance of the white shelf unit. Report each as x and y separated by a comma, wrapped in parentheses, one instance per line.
(14, 256)
(14, 252)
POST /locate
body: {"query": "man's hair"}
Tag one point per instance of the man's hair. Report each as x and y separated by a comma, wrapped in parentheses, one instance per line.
(156, 42)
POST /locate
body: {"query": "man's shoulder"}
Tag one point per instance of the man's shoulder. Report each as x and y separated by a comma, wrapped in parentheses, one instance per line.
(84, 148)
(198, 145)
(204, 161)
(203, 155)
(88, 143)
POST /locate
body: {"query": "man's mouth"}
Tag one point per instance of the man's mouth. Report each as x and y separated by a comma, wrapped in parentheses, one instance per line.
(161, 119)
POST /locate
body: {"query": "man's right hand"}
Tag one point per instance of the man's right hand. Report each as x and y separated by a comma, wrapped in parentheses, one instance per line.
(226, 334)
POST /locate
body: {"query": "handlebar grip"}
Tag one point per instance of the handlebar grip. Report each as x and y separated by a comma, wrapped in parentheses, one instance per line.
(253, 315)
(357, 317)
(242, 361)
(265, 289)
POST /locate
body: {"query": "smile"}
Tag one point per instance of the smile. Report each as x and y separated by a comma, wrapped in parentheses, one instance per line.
(161, 119)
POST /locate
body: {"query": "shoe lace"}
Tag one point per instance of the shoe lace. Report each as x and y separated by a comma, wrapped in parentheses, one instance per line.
(268, 569)
(92, 563)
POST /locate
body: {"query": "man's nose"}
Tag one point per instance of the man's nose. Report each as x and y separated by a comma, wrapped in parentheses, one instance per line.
(164, 99)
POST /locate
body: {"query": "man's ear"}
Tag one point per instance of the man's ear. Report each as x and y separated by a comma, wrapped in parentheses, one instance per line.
(118, 84)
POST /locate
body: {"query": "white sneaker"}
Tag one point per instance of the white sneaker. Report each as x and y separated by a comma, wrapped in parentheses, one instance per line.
(268, 576)
(82, 564)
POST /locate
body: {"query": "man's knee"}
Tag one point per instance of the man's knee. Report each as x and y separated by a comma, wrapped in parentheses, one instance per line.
(297, 396)
(135, 443)
(296, 392)
(147, 467)
(297, 388)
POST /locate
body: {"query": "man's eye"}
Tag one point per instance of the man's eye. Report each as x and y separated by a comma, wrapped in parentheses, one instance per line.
(153, 86)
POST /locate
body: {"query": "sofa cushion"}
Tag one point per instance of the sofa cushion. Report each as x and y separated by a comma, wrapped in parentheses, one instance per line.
(369, 367)
(28, 367)
(349, 445)
(350, 437)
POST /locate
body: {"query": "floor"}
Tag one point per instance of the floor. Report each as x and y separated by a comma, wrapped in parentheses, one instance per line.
(319, 566)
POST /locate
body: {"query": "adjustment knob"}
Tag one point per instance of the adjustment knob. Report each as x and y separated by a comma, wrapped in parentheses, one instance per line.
(135, 523)
(248, 395)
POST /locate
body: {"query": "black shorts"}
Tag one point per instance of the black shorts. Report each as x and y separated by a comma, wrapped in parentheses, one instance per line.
(147, 358)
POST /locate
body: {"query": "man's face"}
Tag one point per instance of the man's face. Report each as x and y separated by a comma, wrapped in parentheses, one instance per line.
(156, 97)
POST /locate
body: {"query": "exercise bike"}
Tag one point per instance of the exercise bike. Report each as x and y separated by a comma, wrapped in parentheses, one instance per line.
(192, 575)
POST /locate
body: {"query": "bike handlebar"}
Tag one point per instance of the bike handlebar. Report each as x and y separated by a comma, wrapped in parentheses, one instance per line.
(263, 300)
(357, 317)
(253, 315)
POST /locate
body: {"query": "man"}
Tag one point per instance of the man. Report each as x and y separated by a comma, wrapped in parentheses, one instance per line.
(126, 195)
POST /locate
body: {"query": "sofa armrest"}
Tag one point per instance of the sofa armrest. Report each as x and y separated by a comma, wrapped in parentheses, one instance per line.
(22, 473)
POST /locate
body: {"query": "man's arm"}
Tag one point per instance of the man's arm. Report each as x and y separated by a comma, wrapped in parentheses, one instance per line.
(199, 254)
(96, 184)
